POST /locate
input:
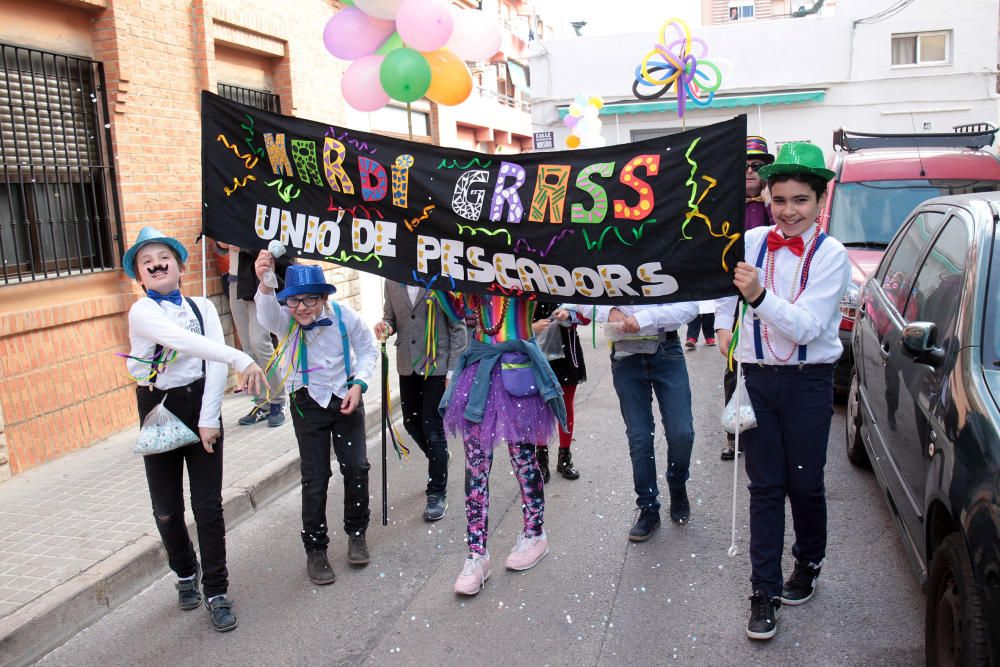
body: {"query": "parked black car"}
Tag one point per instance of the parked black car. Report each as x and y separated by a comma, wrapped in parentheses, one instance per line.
(924, 412)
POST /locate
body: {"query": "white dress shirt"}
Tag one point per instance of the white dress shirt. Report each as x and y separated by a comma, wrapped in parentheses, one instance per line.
(414, 293)
(813, 320)
(176, 328)
(325, 350)
(654, 318)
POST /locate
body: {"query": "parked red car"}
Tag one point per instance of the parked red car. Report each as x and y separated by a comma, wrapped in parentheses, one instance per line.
(880, 179)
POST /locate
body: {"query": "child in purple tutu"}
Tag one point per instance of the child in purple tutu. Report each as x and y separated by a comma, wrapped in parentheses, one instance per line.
(504, 390)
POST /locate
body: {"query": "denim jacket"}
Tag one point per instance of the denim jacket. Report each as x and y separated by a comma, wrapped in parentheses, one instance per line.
(488, 356)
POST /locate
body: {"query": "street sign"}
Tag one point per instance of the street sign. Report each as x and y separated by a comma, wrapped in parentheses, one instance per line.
(544, 140)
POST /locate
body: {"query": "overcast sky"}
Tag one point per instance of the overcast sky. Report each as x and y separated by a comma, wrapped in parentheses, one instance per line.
(611, 17)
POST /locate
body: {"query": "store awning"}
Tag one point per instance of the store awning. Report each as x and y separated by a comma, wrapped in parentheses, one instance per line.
(720, 102)
(518, 75)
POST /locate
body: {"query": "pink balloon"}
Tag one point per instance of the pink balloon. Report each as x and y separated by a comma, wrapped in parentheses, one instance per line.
(425, 25)
(571, 121)
(360, 84)
(351, 34)
(475, 36)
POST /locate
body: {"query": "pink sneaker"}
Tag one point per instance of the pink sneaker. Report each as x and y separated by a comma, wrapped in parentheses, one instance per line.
(475, 572)
(527, 552)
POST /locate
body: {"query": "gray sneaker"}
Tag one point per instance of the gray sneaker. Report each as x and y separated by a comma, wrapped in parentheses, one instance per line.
(276, 417)
(437, 505)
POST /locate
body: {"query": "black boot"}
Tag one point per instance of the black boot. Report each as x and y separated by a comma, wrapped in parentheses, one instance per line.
(542, 454)
(680, 508)
(565, 465)
(357, 550)
(318, 568)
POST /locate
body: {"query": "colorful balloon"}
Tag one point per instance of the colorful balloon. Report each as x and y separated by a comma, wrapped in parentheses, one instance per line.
(424, 25)
(351, 34)
(380, 9)
(451, 81)
(405, 75)
(475, 36)
(394, 42)
(573, 141)
(360, 84)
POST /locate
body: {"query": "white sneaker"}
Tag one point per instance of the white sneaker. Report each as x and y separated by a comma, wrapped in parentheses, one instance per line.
(475, 572)
(527, 552)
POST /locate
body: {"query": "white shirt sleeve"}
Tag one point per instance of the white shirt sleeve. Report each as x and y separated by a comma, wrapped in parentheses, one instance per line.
(666, 316)
(147, 319)
(215, 372)
(725, 310)
(270, 314)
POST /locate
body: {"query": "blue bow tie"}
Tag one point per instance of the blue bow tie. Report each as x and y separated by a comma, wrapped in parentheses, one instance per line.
(173, 297)
(325, 322)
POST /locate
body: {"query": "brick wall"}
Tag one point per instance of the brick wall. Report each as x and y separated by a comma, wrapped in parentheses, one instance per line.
(61, 385)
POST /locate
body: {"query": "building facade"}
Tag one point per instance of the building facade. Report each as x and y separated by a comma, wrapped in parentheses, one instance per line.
(99, 118)
(923, 68)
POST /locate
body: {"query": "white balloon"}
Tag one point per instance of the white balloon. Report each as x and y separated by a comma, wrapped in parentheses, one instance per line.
(476, 35)
(590, 112)
(380, 9)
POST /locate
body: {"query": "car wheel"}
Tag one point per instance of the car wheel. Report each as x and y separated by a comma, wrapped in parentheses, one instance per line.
(954, 630)
(856, 453)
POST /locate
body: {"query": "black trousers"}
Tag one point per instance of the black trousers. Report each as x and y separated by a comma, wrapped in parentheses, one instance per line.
(785, 456)
(702, 323)
(165, 476)
(317, 429)
(419, 398)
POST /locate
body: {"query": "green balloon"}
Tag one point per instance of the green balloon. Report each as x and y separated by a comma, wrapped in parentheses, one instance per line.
(405, 75)
(388, 46)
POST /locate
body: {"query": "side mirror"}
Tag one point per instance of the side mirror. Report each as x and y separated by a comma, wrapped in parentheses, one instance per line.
(920, 343)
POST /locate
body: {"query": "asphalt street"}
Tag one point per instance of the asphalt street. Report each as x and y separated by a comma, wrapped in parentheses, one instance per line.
(595, 600)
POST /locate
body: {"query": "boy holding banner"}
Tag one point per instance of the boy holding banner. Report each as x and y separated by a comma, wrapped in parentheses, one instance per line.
(326, 356)
(789, 334)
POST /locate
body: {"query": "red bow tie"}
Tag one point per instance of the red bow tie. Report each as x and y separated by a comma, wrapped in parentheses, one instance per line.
(776, 241)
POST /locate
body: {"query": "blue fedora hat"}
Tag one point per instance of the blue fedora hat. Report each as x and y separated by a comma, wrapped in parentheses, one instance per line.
(151, 235)
(305, 279)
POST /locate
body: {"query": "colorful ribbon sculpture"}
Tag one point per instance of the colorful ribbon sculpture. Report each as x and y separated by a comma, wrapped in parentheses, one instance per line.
(675, 65)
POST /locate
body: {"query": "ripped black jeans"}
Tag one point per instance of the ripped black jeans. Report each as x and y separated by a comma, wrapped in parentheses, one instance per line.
(165, 476)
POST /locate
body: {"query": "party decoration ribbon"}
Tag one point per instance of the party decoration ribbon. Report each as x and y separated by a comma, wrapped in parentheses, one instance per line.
(676, 64)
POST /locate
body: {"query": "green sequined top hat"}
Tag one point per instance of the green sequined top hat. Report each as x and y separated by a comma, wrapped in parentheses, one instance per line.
(304, 279)
(151, 235)
(757, 148)
(798, 157)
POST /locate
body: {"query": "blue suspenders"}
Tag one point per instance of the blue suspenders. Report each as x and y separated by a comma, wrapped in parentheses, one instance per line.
(758, 346)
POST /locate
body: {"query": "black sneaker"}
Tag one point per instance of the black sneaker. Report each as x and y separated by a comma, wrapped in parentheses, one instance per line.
(680, 508)
(642, 530)
(318, 568)
(763, 621)
(256, 414)
(357, 550)
(188, 595)
(801, 586)
(728, 451)
(220, 608)
(276, 415)
(437, 505)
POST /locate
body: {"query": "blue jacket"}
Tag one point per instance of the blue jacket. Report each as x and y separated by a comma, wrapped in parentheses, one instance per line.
(488, 355)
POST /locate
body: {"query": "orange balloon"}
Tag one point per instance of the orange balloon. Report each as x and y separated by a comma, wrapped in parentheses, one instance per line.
(451, 82)
(573, 141)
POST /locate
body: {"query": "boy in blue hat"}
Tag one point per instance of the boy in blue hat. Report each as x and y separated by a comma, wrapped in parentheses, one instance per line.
(178, 355)
(792, 279)
(327, 357)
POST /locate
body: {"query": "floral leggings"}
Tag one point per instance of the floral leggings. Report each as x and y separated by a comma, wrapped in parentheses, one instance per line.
(478, 462)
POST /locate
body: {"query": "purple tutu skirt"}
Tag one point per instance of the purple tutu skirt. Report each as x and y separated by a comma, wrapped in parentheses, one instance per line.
(507, 418)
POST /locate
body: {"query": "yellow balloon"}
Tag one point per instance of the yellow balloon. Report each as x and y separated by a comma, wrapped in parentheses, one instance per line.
(451, 82)
(596, 102)
(573, 141)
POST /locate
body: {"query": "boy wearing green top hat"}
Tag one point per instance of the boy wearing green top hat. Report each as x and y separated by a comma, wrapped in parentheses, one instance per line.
(326, 358)
(178, 357)
(792, 279)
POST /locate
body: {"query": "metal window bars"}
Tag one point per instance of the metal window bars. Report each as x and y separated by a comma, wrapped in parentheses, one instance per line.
(258, 99)
(58, 199)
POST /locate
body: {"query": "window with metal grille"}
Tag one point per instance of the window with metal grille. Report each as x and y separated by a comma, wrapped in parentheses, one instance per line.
(258, 99)
(58, 205)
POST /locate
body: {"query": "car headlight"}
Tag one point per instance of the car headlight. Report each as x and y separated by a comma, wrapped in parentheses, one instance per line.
(849, 302)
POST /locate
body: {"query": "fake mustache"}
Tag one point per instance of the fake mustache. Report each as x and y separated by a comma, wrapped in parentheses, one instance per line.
(157, 267)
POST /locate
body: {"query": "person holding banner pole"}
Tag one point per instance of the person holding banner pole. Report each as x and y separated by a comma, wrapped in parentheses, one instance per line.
(792, 278)
(504, 391)
(428, 345)
(647, 360)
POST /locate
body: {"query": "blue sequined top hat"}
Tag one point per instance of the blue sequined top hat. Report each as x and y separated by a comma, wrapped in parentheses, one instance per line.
(304, 279)
(151, 235)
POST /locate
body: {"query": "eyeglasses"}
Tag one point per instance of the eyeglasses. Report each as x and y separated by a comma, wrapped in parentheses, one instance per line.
(754, 166)
(294, 302)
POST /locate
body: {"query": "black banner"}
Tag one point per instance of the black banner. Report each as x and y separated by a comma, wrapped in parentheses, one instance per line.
(652, 221)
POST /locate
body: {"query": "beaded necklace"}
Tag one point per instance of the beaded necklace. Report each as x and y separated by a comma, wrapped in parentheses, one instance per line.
(769, 284)
(481, 330)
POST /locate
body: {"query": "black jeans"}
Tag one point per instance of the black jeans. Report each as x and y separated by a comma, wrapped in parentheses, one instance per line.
(419, 398)
(316, 429)
(705, 323)
(785, 456)
(165, 476)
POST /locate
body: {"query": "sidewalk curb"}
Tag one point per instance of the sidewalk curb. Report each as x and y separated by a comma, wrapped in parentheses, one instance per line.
(50, 620)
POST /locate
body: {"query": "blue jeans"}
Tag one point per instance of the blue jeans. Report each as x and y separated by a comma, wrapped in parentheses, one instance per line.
(637, 378)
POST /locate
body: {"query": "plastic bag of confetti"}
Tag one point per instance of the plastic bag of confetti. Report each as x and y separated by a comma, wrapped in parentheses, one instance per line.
(162, 432)
(734, 421)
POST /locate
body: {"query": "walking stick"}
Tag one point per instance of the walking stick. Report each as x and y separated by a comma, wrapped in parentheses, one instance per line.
(385, 426)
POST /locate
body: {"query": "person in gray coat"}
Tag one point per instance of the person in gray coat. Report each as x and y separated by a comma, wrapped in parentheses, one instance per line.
(428, 345)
